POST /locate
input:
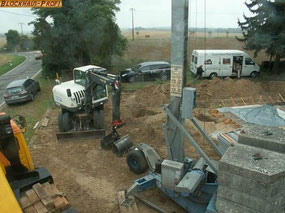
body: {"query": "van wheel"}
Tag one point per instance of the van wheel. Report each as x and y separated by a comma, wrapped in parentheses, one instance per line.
(253, 74)
(163, 76)
(213, 75)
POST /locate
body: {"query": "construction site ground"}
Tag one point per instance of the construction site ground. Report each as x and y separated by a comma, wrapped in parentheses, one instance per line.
(91, 177)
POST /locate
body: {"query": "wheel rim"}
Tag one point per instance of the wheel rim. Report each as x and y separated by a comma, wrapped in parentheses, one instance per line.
(134, 163)
(213, 76)
(32, 97)
(132, 79)
(253, 74)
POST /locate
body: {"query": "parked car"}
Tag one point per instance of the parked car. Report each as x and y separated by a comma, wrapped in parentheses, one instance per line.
(22, 90)
(38, 55)
(147, 71)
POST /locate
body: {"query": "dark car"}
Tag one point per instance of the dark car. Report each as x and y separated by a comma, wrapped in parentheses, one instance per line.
(147, 71)
(22, 90)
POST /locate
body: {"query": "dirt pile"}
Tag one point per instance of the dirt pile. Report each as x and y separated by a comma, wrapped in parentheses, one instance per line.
(91, 177)
(238, 92)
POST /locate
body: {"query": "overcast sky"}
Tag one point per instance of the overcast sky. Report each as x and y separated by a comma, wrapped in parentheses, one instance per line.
(148, 13)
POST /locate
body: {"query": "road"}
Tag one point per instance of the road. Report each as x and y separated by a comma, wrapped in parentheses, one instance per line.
(27, 69)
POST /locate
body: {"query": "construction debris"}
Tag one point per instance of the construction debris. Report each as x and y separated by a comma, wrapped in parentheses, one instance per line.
(43, 198)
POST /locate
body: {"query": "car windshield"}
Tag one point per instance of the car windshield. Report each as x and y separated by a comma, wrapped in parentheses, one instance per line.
(79, 77)
(136, 68)
(13, 90)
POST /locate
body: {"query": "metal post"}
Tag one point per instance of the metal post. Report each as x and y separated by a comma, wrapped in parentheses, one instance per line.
(191, 140)
(179, 44)
(133, 25)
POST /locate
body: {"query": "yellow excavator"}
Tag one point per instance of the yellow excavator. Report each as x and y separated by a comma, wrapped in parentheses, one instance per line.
(24, 188)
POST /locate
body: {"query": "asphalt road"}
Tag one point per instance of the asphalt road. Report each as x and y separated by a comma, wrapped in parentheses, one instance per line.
(27, 69)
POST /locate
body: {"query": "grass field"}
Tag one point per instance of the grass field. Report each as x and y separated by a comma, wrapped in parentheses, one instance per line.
(33, 111)
(5, 65)
(157, 46)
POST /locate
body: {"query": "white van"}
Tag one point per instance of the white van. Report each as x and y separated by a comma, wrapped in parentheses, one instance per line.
(222, 63)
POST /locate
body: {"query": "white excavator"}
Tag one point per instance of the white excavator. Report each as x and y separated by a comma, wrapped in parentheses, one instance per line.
(82, 102)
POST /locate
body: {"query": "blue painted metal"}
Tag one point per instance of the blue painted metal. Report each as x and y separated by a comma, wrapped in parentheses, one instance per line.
(204, 203)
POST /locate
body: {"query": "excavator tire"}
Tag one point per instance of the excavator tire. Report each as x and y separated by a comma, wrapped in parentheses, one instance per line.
(66, 121)
(98, 119)
(136, 161)
(60, 122)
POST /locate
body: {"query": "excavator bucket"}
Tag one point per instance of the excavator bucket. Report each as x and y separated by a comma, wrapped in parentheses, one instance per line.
(80, 135)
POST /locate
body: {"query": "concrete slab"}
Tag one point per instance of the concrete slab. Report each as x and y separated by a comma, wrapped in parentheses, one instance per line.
(225, 206)
(265, 204)
(250, 186)
(266, 137)
(240, 160)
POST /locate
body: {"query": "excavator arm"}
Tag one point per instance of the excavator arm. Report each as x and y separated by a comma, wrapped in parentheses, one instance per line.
(95, 78)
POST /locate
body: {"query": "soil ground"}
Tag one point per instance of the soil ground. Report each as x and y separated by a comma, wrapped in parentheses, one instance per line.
(91, 177)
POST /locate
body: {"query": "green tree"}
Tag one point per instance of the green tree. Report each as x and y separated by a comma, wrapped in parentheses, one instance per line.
(265, 30)
(26, 43)
(79, 33)
(13, 39)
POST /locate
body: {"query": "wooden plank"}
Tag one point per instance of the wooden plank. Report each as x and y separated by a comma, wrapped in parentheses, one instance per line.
(127, 209)
(39, 206)
(281, 97)
(45, 122)
(30, 209)
(233, 101)
(252, 100)
(272, 101)
(33, 197)
(46, 200)
(25, 202)
(59, 201)
(243, 101)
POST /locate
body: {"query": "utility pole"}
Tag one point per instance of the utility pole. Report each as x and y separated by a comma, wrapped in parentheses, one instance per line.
(21, 23)
(179, 55)
(133, 25)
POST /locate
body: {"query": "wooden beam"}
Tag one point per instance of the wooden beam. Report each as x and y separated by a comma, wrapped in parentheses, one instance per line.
(132, 208)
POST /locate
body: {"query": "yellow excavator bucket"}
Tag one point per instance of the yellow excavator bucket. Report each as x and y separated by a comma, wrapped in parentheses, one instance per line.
(8, 201)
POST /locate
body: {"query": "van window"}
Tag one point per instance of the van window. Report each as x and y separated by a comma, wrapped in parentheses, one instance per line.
(209, 61)
(195, 60)
(226, 61)
(145, 68)
(248, 61)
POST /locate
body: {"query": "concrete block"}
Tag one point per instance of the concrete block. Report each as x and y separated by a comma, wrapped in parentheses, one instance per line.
(225, 206)
(240, 160)
(266, 137)
(264, 205)
(250, 186)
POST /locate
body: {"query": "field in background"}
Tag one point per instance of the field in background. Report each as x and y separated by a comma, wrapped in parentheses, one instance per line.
(5, 59)
(157, 46)
(5, 66)
(2, 41)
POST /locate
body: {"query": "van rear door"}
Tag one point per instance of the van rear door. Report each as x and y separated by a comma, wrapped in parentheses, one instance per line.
(226, 66)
